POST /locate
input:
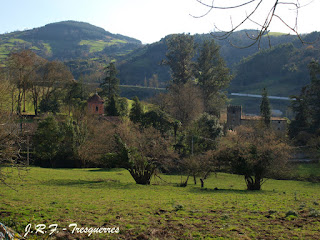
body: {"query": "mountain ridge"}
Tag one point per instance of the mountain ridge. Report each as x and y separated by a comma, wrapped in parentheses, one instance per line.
(86, 49)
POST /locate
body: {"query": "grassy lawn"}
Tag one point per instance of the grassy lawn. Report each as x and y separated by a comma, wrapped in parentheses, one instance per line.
(110, 198)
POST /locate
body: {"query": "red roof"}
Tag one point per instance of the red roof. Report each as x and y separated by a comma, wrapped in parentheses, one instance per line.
(95, 98)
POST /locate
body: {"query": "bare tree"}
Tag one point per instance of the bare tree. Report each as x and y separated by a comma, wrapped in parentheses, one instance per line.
(260, 12)
(183, 102)
(255, 153)
(10, 139)
(22, 67)
(143, 152)
(54, 75)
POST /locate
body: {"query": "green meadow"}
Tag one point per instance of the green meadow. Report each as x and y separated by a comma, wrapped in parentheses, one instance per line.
(100, 198)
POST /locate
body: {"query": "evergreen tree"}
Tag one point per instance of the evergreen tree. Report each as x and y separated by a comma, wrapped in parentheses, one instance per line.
(213, 76)
(307, 105)
(265, 110)
(47, 140)
(302, 118)
(110, 84)
(179, 57)
(112, 107)
(123, 107)
(136, 112)
(314, 94)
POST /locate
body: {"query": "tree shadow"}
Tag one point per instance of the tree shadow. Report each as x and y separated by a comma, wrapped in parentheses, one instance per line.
(218, 190)
(97, 183)
(106, 170)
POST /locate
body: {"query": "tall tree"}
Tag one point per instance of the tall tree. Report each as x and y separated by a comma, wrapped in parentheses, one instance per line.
(47, 139)
(265, 110)
(184, 102)
(307, 106)
(75, 95)
(136, 112)
(213, 76)
(54, 76)
(300, 106)
(112, 107)
(314, 94)
(22, 66)
(110, 84)
(180, 52)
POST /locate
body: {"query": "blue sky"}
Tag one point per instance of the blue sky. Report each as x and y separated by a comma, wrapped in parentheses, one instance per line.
(146, 20)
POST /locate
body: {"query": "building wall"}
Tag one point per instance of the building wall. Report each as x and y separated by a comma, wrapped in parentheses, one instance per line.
(279, 125)
(95, 108)
(234, 119)
(233, 116)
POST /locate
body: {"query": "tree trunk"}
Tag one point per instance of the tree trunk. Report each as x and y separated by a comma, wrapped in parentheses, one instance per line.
(143, 177)
(185, 183)
(195, 179)
(253, 183)
(202, 182)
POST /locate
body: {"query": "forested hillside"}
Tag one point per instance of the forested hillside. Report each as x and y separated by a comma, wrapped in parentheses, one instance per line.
(82, 46)
(279, 62)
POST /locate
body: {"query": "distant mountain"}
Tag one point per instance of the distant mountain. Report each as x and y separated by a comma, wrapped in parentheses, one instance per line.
(87, 49)
(69, 41)
(142, 63)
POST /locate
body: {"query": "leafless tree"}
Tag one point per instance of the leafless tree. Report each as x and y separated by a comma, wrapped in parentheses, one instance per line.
(260, 12)
(11, 139)
(183, 101)
(22, 66)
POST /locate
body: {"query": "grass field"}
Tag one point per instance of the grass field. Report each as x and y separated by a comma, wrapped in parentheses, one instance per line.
(98, 46)
(110, 198)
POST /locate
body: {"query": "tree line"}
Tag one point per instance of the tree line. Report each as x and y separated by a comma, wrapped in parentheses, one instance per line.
(179, 132)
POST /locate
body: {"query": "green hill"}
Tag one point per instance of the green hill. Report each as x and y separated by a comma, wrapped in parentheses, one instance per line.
(69, 41)
(144, 62)
(86, 49)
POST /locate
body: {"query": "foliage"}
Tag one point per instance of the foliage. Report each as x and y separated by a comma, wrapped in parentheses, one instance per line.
(123, 107)
(136, 112)
(142, 152)
(183, 102)
(301, 122)
(199, 165)
(76, 95)
(307, 107)
(22, 67)
(212, 76)
(112, 107)
(179, 57)
(206, 133)
(50, 104)
(95, 141)
(47, 141)
(110, 84)
(158, 120)
(265, 110)
(10, 145)
(255, 153)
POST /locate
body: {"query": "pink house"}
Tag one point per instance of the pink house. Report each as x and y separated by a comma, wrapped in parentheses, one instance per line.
(95, 105)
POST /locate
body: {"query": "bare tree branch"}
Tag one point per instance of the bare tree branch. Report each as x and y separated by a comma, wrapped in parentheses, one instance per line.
(263, 25)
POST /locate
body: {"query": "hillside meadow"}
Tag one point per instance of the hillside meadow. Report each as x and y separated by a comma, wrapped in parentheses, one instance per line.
(100, 198)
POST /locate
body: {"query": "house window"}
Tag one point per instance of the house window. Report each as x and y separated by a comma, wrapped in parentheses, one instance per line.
(97, 108)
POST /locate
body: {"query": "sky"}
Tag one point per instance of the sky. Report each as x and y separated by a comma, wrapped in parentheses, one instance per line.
(151, 20)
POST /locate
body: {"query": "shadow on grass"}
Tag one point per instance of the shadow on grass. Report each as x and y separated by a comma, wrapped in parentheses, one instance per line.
(98, 183)
(106, 170)
(217, 191)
